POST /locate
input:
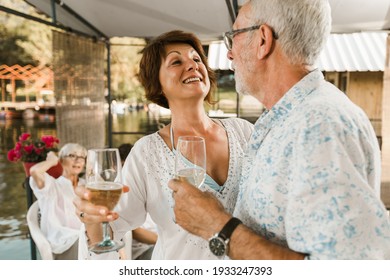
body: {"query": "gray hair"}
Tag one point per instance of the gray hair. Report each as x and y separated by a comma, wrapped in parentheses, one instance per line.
(71, 148)
(302, 26)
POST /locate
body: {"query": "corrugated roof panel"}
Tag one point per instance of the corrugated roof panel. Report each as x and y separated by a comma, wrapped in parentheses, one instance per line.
(354, 61)
(217, 56)
(363, 51)
(377, 45)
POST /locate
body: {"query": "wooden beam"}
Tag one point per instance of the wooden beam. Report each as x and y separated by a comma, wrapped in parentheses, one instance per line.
(385, 192)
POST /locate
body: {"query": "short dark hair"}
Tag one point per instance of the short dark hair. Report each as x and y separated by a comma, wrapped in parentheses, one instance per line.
(124, 150)
(151, 62)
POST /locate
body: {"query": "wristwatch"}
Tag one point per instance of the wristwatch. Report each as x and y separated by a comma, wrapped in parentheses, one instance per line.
(218, 243)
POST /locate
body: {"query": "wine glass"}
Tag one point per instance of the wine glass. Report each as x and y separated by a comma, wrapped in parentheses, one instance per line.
(104, 181)
(190, 160)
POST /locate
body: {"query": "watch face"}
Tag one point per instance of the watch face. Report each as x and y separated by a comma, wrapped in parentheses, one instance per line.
(217, 246)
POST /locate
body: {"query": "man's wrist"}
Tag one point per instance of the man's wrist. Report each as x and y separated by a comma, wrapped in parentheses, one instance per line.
(219, 242)
(220, 222)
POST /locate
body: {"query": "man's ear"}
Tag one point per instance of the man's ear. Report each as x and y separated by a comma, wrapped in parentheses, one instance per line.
(265, 42)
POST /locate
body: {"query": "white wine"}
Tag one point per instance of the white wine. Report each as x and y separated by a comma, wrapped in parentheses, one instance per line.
(195, 176)
(105, 193)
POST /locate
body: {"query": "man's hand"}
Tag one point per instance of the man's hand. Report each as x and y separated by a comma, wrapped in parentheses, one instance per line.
(198, 212)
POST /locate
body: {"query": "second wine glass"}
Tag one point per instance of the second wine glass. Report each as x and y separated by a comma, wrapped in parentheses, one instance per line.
(190, 160)
(104, 181)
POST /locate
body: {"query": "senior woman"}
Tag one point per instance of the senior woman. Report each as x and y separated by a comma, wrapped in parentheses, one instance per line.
(59, 222)
(175, 75)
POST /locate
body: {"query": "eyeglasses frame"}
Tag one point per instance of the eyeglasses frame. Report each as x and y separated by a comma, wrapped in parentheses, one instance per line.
(75, 157)
(229, 35)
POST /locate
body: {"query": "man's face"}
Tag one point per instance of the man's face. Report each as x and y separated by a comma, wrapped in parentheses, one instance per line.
(242, 53)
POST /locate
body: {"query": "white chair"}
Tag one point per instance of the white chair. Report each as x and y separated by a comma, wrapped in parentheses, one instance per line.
(126, 252)
(40, 240)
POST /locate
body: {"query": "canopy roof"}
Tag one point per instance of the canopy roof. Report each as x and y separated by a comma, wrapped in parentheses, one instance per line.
(359, 51)
(208, 19)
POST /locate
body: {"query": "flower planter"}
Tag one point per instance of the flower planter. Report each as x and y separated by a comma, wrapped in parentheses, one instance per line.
(55, 171)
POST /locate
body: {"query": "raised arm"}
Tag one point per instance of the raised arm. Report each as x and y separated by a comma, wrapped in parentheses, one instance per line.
(38, 170)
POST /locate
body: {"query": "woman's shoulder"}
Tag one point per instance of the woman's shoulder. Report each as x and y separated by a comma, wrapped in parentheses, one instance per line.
(238, 124)
(148, 143)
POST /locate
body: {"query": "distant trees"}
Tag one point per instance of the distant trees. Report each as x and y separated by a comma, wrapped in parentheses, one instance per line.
(23, 41)
(10, 51)
(125, 59)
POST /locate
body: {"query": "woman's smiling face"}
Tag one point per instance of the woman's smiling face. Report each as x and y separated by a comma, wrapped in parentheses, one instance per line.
(183, 74)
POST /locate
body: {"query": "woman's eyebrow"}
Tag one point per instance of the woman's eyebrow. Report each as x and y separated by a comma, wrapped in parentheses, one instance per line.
(173, 52)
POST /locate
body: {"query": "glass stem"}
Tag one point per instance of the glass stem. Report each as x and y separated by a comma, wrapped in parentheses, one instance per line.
(106, 233)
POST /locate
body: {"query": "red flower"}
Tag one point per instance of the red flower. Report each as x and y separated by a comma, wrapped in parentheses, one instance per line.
(24, 137)
(29, 150)
(18, 146)
(12, 155)
(49, 140)
(39, 150)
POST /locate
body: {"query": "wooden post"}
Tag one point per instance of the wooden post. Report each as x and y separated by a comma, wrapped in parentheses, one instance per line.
(385, 191)
(13, 84)
(3, 90)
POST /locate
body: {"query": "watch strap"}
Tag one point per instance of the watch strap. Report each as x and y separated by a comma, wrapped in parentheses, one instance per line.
(228, 228)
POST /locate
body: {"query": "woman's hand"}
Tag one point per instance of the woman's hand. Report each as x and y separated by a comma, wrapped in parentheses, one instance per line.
(92, 215)
(52, 158)
(38, 170)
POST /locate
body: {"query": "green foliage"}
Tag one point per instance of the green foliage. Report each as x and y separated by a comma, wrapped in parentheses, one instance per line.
(23, 41)
(10, 51)
(125, 59)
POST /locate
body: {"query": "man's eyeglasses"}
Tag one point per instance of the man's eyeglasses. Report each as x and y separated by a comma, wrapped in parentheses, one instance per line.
(75, 157)
(228, 36)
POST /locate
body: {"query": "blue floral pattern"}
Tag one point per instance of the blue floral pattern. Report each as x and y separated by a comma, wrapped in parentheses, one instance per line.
(311, 177)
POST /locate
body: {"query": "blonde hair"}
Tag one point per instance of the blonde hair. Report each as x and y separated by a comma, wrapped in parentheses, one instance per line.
(70, 148)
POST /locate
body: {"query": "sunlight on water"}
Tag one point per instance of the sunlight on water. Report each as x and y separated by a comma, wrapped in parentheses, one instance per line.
(15, 249)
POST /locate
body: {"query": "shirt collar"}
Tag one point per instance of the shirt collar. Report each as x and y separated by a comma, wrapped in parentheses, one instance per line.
(291, 99)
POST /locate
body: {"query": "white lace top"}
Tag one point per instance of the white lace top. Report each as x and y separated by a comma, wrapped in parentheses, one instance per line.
(147, 171)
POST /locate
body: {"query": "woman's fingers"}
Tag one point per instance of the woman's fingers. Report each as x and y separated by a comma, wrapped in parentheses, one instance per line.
(125, 189)
(88, 212)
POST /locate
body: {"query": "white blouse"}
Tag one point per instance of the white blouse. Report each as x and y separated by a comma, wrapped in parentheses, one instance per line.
(147, 170)
(59, 222)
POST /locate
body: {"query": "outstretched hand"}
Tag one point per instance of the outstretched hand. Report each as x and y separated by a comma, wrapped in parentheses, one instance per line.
(198, 212)
(90, 213)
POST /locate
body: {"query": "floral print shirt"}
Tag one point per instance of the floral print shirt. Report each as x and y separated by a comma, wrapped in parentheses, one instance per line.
(311, 178)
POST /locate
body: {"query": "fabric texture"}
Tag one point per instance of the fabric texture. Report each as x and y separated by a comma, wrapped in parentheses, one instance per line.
(139, 248)
(59, 223)
(147, 171)
(311, 178)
